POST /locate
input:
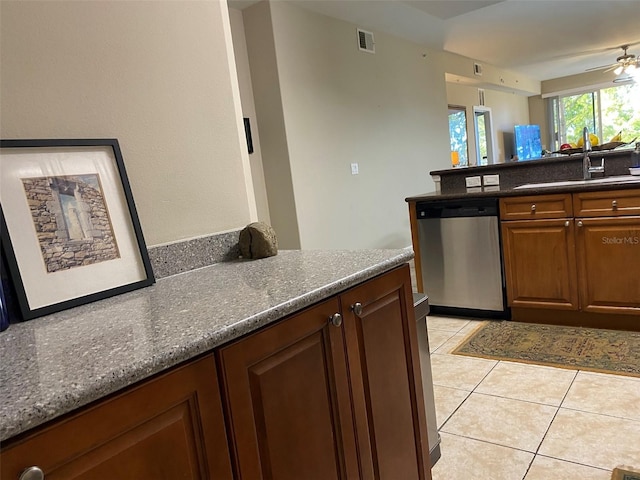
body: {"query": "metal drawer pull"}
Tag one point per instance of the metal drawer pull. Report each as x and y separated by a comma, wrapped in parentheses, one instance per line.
(566, 223)
(579, 223)
(614, 204)
(32, 473)
(533, 207)
(336, 319)
(357, 308)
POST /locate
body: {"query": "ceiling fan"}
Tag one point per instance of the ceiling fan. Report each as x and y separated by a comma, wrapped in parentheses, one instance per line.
(625, 63)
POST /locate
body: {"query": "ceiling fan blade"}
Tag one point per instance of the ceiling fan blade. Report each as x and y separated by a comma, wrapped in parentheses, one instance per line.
(594, 51)
(610, 66)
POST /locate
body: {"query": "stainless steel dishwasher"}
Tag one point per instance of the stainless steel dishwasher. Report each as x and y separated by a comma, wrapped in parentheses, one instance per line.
(460, 258)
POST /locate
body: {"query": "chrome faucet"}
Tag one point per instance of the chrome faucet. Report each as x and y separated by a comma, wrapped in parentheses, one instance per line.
(587, 168)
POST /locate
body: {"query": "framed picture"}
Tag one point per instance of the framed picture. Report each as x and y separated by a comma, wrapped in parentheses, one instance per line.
(70, 230)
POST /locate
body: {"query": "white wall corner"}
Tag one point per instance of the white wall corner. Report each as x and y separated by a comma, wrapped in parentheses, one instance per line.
(237, 105)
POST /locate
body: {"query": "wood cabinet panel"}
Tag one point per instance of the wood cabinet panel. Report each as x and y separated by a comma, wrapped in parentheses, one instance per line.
(607, 204)
(383, 362)
(288, 398)
(540, 264)
(608, 252)
(311, 400)
(170, 427)
(535, 207)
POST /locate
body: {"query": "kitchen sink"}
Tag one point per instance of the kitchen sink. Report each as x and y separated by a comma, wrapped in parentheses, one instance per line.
(570, 183)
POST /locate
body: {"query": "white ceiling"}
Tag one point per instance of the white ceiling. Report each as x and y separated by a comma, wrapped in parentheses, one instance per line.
(542, 39)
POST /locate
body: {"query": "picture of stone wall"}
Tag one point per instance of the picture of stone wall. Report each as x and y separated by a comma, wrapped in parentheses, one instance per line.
(71, 221)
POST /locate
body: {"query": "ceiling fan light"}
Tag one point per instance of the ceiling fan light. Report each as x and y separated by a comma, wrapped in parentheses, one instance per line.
(618, 70)
(630, 68)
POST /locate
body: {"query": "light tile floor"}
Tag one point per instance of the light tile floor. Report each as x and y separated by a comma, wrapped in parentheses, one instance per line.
(512, 421)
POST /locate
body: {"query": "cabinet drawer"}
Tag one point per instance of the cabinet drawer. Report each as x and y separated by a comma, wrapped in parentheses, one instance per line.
(168, 427)
(533, 207)
(607, 204)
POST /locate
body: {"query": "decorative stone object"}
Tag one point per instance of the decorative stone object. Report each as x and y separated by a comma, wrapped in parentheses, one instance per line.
(258, 240)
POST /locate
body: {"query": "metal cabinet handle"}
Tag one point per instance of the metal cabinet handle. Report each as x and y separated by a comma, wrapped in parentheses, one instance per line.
(614, 204)
(336, 319)
(533, 207)
(566, 223)
(357, 308)
(32, 473)
(579, 223)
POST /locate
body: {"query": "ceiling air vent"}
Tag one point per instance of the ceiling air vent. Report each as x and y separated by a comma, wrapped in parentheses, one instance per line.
(365, 41)
(477, 69)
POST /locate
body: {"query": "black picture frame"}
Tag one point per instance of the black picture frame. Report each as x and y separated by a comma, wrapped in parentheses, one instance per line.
(70, 229)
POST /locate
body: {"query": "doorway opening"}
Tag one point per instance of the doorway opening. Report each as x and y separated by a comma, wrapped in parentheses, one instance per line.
(484, 135)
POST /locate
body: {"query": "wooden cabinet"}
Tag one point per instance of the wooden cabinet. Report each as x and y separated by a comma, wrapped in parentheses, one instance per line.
(170, 427)
(536, 207)
(332, 392)
(574, 251)
(540, 264)
(608, 253)
(288, 396)
(382, 351)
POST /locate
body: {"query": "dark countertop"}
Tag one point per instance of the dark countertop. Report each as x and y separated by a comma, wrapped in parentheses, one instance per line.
(496, 192)
(551, 160)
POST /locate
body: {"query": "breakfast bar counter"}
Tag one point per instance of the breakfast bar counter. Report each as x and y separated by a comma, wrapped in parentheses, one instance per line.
(55, 364)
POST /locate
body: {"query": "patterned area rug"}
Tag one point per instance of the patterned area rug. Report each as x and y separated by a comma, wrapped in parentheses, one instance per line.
(593, 349)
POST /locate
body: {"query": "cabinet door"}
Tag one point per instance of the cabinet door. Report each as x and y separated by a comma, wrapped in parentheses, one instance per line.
(540, 264)
(288, 400)
(386, 382)
(171, 427)
(609, 264)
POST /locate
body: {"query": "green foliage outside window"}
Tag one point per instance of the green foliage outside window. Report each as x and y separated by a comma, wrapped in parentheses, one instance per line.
(604, 112)
(620, 108)
(458, 135)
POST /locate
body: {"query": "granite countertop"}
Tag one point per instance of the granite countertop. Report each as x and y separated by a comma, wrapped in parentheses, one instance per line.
(55, 364)
(497, 191)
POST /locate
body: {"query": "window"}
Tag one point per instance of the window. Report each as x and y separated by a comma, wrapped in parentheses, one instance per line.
(604, 112)
(458, 136)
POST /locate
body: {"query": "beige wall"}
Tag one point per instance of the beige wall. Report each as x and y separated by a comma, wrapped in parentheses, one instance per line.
(507, 110)
(492, 77)
(160, 77)
(386, 111)
(271, 122)
(577, 83)
(249, 111)
(538, 116)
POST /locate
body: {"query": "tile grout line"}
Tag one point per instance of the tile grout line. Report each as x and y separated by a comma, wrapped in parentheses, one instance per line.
(466, 398)
(536, 453)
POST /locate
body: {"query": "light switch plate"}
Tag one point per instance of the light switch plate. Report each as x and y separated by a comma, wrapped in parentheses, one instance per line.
(354, 169)
(491, 179)
(473, 181)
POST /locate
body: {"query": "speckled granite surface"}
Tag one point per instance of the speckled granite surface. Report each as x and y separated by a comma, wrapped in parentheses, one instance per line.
(178, 257)
(57, 363)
